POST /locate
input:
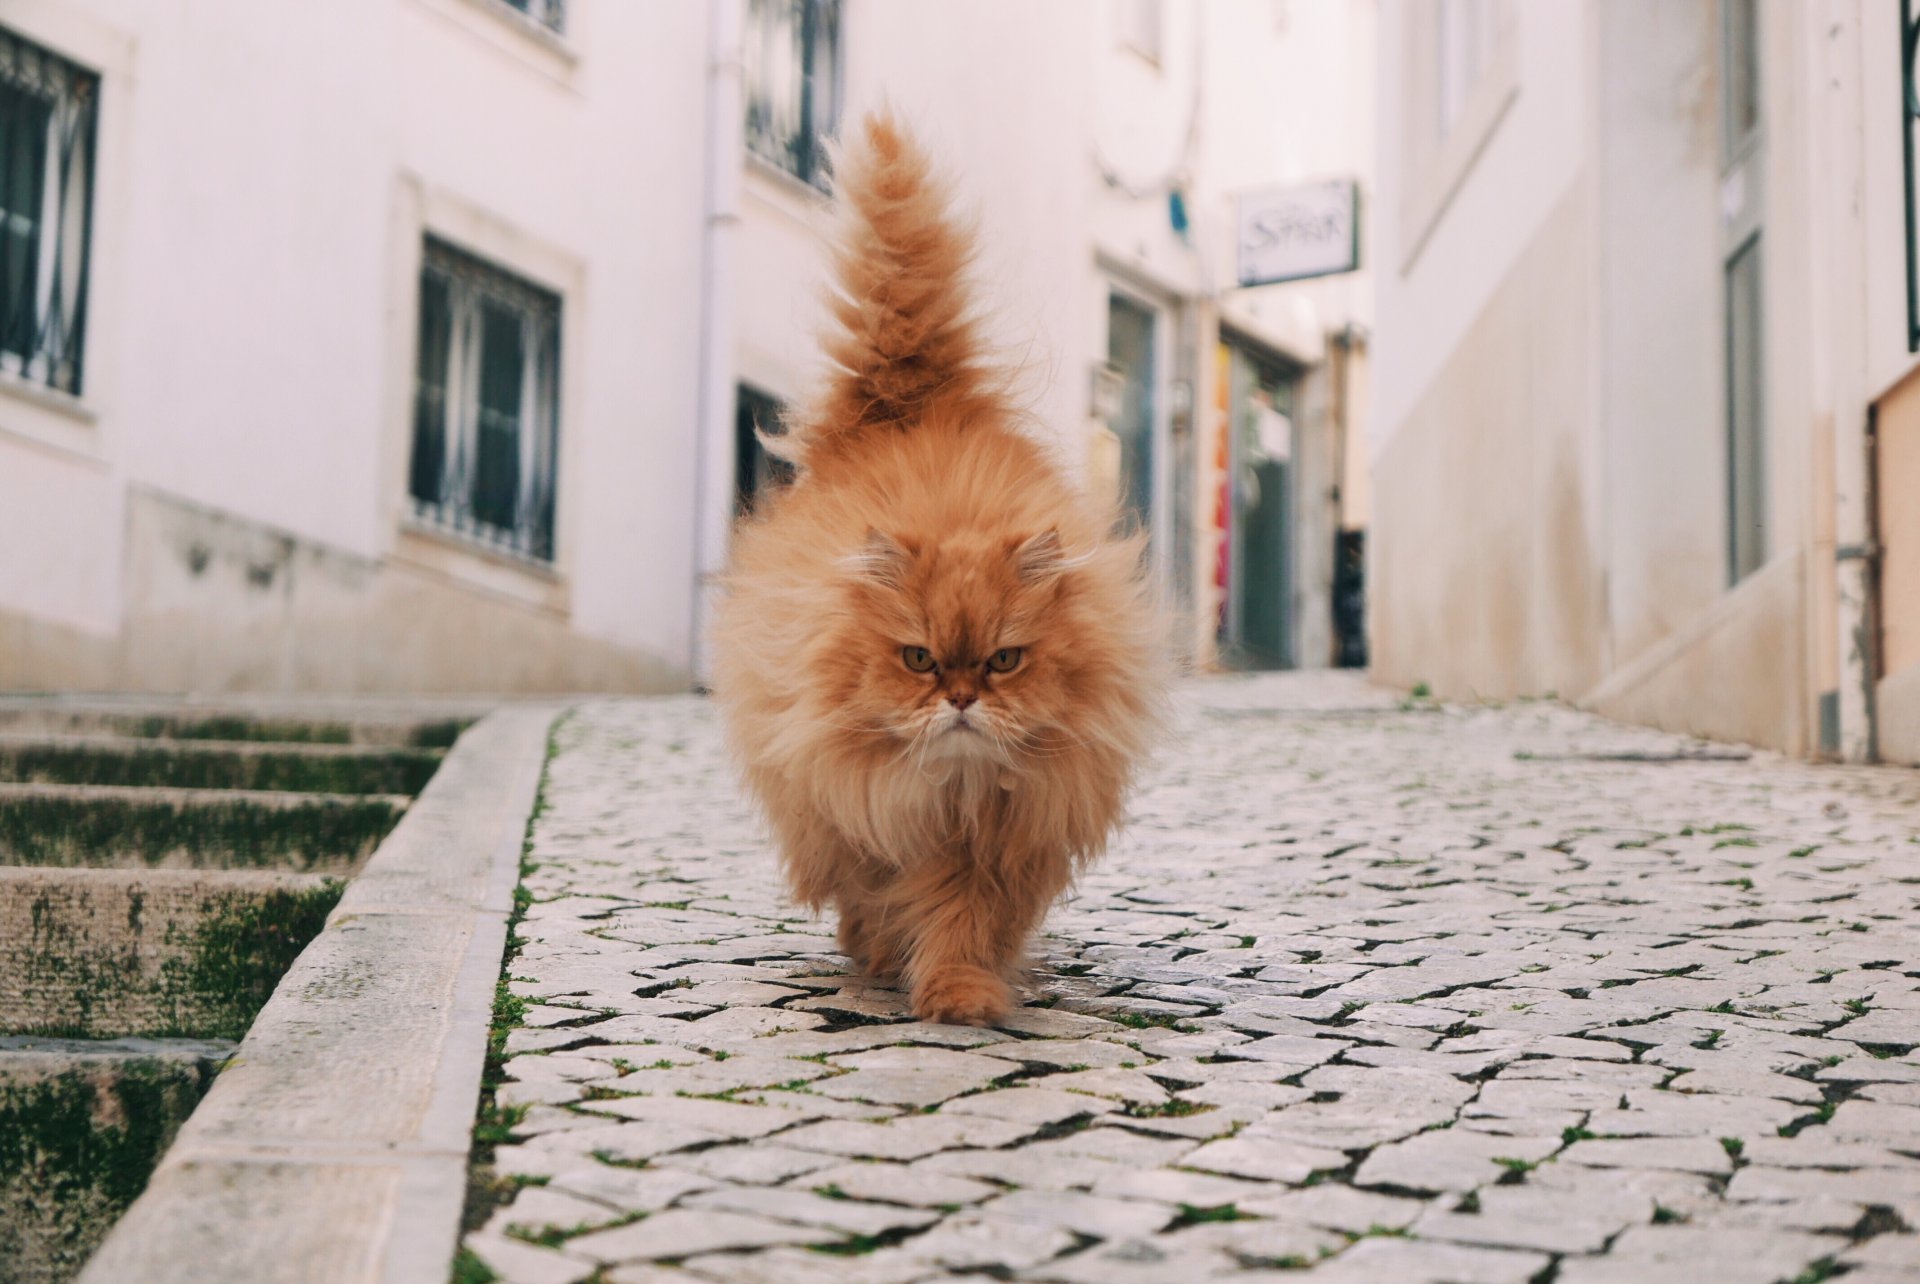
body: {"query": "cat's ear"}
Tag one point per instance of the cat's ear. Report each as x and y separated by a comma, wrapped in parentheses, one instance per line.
(1040, 557)
(881, 558)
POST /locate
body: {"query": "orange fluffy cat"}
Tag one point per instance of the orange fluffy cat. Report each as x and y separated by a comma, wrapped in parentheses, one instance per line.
(934, 658)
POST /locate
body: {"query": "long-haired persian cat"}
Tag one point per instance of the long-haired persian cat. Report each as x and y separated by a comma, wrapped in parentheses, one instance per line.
(934, 658)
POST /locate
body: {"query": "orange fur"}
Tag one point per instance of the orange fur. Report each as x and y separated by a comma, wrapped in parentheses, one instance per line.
(923, 517)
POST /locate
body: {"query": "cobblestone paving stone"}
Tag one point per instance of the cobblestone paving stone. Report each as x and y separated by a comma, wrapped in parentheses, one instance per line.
(1365, 992)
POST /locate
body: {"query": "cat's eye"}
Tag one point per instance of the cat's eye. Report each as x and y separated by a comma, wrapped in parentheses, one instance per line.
(917, 658)
(1005, 660)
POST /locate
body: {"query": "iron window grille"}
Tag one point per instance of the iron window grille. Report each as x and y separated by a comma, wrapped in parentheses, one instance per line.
(1909, 115)
(755, 472)
(551, 14)
(486, 404)
(47, 112)
(792, 56)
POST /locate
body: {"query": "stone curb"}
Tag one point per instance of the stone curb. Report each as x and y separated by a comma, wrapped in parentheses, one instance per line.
(334, 1147)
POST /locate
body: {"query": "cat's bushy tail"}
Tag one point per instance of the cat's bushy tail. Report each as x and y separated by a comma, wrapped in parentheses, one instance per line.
(904, 338)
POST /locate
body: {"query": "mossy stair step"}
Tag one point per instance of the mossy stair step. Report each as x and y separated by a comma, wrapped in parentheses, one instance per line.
(121, 827)
(102, 953)
(215, 764)
(82, 1124)
(395, 730)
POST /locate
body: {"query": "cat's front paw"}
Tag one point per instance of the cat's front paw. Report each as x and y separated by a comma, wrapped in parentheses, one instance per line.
(961, 995)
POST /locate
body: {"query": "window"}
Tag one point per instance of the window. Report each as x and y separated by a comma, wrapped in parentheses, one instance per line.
(551, 14)
(1909, 119)
(1742, 205)
(486, 404)
(1142, 28)
(755, 472)
(792, 54)
(47, 110)
(1461, 75)
(1469, 32)
(1746, 437)
(1740, 83)
(1130, 354)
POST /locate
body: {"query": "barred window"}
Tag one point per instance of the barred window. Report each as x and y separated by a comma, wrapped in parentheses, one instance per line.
(755, 472)
(486, 404)
(47, 110)
(551, 14)
(792, 55)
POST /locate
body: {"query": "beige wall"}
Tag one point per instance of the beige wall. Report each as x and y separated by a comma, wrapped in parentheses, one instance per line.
(1897, 483)
(1550, 471)
(216, 603)
(1482, 579)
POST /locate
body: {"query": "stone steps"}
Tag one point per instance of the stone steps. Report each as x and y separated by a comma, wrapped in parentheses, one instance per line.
(162, 864)
(134, 827)
(29, 758)
(85, 1121)
(428, 728)
(105, 953)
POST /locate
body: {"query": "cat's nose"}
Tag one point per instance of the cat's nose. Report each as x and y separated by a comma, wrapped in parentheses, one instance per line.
(960, 700)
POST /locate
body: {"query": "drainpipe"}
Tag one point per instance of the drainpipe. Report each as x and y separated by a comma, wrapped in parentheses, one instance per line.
(1836, 132)
(720, 216)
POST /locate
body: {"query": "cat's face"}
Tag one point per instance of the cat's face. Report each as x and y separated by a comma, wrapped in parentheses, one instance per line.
(957, 648)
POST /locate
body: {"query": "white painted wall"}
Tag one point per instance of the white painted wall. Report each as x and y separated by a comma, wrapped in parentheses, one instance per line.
(1608, 153)
(1025, 106)
(266, 173)
(1004, 118)
(246, 332)
(1531, 160)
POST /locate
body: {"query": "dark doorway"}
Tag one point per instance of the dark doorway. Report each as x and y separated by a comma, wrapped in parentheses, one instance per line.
(754, 470)
(1130, 349)
(1258, 631)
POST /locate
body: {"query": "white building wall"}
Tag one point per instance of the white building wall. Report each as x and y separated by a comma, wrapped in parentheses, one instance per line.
(227, 505)
(264, 177)
(1443, 252)
(1551, 447)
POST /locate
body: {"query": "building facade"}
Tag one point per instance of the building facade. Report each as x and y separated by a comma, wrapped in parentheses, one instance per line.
(419, 345)
(1105, 155)
(1644, 429)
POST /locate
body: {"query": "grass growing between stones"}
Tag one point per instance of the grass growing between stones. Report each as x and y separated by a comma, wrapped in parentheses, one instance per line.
(1194, 1215)
(493, 1125)
(468, 1269)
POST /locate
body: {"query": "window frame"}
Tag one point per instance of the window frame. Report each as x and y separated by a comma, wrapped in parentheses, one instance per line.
(1909, 122)
(65, 191)
(1743, 276)
(82, 428)
(552, 17)
(756, 471)
(1440, 155)
(421, 209)
(478, 292)
(504, 25)
(802, 154)
(1140, 28)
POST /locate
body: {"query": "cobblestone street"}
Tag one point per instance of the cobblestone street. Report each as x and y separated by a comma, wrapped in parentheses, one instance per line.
(1367, 991)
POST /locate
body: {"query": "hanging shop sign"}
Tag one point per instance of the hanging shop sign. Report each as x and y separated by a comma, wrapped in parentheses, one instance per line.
(1291, 233)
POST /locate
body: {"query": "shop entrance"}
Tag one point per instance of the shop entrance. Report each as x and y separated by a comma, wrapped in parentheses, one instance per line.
(1257, 629)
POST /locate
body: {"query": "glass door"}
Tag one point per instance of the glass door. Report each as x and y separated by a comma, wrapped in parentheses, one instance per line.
(1130, 351)
(1259, 617)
